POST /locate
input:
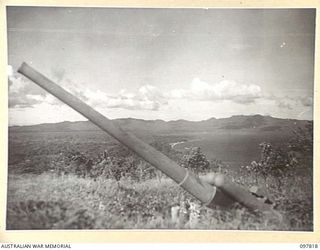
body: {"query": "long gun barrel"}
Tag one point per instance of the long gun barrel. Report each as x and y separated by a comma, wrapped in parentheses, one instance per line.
(202, 190)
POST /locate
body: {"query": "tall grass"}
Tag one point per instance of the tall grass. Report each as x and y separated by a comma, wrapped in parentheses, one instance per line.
(48, 201)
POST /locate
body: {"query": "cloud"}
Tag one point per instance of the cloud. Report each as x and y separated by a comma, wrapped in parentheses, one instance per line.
(18, 90)
(290, 102)
(18, 101)
(286, 103)
(147, 97)
(224, 90)
(17, 85)
(22, 94)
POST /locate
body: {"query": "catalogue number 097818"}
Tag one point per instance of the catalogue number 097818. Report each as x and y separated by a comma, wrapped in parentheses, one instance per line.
(309, 246)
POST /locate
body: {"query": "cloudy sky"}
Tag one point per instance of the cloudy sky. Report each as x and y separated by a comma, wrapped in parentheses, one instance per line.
(165, 64)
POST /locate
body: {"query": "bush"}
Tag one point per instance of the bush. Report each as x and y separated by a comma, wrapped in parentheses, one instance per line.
(303, 139)
(106, 166)
(280, 161)
(273, 161)
(195, 160)
(301, 147)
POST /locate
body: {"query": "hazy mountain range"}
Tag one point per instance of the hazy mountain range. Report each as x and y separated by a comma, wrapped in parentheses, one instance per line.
(256, 122)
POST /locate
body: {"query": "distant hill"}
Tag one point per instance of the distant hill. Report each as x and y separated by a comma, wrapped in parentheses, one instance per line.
(256, 122)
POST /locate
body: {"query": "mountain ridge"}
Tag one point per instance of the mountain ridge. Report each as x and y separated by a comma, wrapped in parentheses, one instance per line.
(264, 123)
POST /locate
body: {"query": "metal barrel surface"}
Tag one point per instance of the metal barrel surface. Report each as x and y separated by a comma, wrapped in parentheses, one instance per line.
(191, 183)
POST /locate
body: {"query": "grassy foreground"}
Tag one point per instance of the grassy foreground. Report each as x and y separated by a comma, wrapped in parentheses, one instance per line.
(48, 201)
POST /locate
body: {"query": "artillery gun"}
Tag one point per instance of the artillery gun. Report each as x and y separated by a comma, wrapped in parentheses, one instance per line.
(212, 190)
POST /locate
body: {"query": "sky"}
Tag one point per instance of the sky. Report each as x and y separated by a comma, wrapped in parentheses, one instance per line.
(167, 64)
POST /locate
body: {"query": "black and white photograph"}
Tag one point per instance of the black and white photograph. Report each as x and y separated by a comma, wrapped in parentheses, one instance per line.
(132, 118)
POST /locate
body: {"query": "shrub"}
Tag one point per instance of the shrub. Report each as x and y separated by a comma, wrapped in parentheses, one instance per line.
(296, 154)
(195, 160)
(301, 146)
(273, 161)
